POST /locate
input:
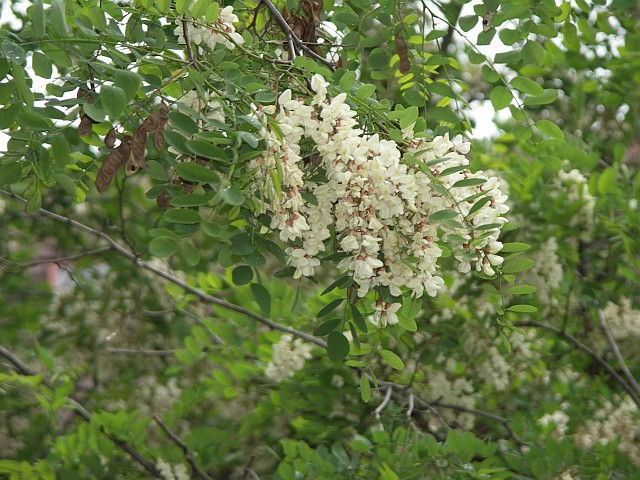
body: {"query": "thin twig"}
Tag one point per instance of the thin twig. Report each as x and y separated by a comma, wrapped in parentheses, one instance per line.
(581, 346)
(292, 37)
(171, 278)
(384, 403)
(616, 352)
(185, 449)
(140, 351)
(185, 34)
(58, 260)
(83, 413)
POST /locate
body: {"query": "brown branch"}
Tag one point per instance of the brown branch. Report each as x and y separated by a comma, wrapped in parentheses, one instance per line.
(84, 414)
(140, 351)
(616, 353)
(292, 38)
(581, 346)
(187, 41)
(205, 297)
(185, 449)
(59, 260)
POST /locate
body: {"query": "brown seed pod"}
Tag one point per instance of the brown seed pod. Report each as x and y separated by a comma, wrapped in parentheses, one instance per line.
(151, 123)
(110, 138)
(86, 125)
(115, 161)
(403, 53)
(487, 21)
(163, 200)
(163, 117)
(138, 146)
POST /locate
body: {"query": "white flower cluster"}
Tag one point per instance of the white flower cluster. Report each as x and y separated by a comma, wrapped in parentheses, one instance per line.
(375, 198)
(210, 108)
(175, 472)
(559, 419)
(546, 273)
(622, 319)
(576, 187)
(289, 356)
(456, 391)
(614, 422)
(221, 32)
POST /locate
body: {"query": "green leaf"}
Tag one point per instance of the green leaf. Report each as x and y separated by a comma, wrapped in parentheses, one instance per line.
(512, 56)
(366, 91)
(190, 253)
(13, 52)
(232, 195)
(129, 82)
(241, 244)
(182, 216)
(522, 290)
(513, 247)
(515, 265)
(41, 65)
(33, 121)
(365, 389)
(199, 9)
(522, 308)
(337, 346)
(392, 359)
(549, 128)
(526, 85)
(469, 182)
(442, 215)
(330, 307)
(467, 22)
(114, 99)
(533, 53)
(183, 122)
(347, 81)
(358, 319)
(607, 181)
(58, 17)
(327, 327)
(212, 13)
(194, 172)
(10, 173)
(205, 149)
(242, 275)
(501, 97)
(262, 297)
(37, 17)
(182, 6)
(162, 247)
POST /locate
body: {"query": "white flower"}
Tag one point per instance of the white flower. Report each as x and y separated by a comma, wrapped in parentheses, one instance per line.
(288, 357)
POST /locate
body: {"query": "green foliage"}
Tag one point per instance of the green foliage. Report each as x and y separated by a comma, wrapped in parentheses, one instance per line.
(171, 316)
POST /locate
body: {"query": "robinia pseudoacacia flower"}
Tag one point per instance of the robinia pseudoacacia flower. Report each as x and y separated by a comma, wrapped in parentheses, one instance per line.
(388, 205)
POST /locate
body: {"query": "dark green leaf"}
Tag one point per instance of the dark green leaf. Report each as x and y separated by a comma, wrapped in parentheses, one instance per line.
(467, 22)
(327, 327)
(330, 307)
(337, 346)
(114, 100)
(162, 247)
(183, 122)
(242, 275)
(182, 215)
(262, 297)
(194, 172)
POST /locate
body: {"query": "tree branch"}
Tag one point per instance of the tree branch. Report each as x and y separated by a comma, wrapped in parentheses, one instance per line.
(581, 346)
(292, 37)
(140, 351)
(205, 297)
(70, 258)
(616, 353)
(185, 449)
(84, 414)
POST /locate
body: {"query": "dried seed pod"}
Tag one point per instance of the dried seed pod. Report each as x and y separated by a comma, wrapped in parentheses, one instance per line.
(86, 125)
(151, 123)
(110, 138)
(138, 146)
(163, 117)
(163, 200)
(487, 21)
(403, 53)
(118, 157)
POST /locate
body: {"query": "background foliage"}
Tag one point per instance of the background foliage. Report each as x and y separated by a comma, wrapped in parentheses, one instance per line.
(153, 334)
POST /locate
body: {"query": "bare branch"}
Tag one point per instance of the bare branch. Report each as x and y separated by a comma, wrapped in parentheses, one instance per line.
(171, 278)
(581, 346)
(384, 403)
(84, 414)
(187, 41)
(616, 352)
(291, 36)
(140, 351)
(185, 449)
(58, 260)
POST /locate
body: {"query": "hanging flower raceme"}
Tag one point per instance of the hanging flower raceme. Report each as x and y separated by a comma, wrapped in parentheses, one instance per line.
(222, 31)
(389, 208)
